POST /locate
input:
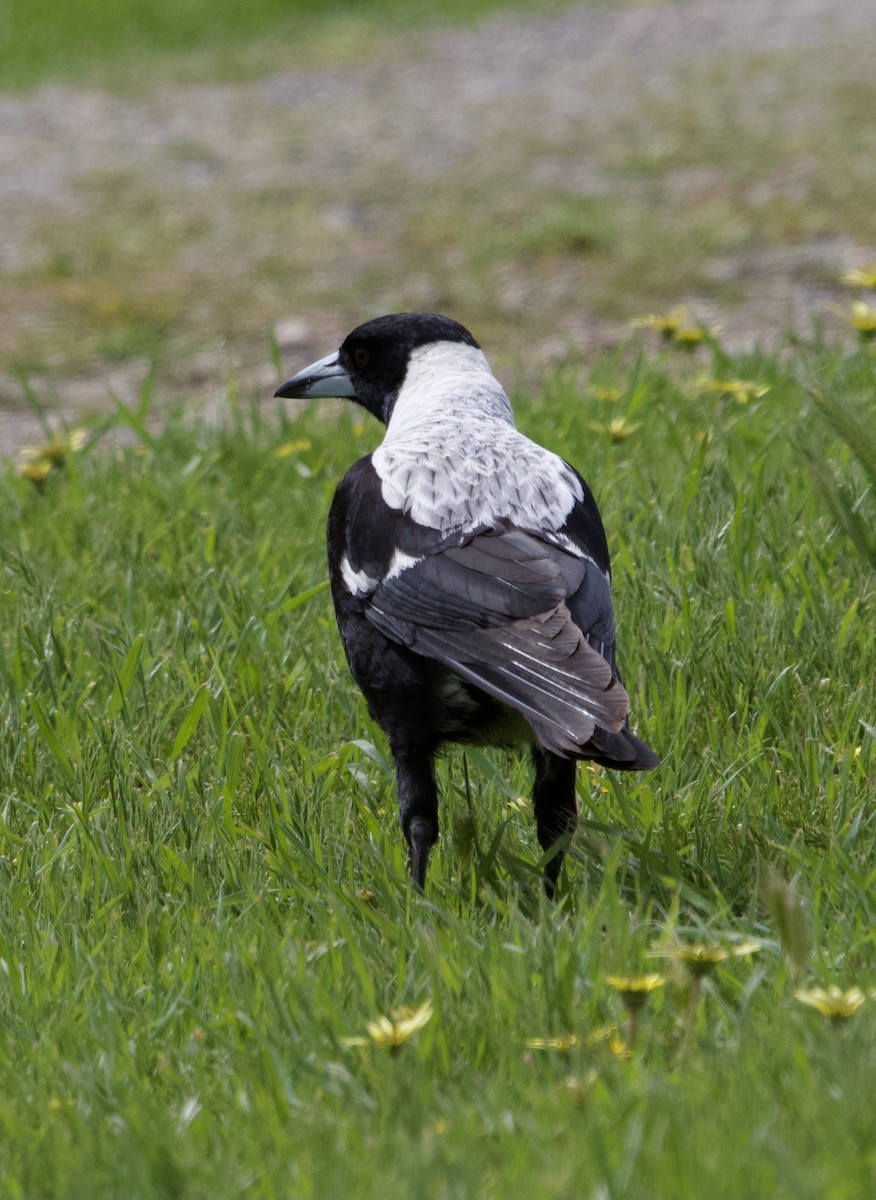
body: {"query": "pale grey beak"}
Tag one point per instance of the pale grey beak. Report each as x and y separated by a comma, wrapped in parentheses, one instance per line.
(324, 378)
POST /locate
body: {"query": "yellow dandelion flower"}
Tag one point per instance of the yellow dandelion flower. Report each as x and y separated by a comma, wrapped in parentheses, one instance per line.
(862, 317)
(857, 277)
(832, 1002)
(393, 1031)
(741, 390)
(563, 1041)
(701, 958)
(36, 472)
(666, 324)
(618, 1047)
(294, 447)
(618, 429)
(366, 896)
(634, 990)
(403, 1024)
(611, 1037)
(605, 395)
(689, 337)
(57, 449)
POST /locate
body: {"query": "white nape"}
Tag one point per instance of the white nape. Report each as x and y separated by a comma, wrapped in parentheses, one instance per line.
(452, 457)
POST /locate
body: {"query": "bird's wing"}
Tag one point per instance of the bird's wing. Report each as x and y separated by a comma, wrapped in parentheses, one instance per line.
(510, 612)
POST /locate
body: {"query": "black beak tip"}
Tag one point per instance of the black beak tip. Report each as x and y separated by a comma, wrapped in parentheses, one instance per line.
(324, 378)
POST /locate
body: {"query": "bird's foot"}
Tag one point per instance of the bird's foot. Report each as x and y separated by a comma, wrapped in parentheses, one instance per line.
(422, 836)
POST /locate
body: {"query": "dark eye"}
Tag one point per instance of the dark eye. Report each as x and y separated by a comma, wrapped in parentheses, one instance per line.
(360, 358)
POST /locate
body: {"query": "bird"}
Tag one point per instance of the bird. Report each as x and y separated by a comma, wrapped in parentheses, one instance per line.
(470, 575)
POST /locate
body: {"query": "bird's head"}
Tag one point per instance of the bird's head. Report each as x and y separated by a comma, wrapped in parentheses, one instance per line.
(372, 363)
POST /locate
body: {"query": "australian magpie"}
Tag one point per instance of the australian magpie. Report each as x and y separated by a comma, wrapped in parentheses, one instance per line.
(470, 576)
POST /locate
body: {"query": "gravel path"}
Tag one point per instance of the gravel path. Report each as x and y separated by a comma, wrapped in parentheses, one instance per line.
(453, 97)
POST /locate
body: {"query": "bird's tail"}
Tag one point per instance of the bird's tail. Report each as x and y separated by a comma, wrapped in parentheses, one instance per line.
(621, 751)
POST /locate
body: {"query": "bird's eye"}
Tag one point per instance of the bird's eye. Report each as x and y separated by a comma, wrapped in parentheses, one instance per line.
(360, 358)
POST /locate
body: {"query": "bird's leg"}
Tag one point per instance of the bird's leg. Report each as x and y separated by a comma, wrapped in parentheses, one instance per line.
(556, 809)
(417, 806)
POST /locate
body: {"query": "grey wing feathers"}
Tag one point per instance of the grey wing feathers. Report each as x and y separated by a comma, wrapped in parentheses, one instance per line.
(483, 581)
(494, 610)
(543, 667)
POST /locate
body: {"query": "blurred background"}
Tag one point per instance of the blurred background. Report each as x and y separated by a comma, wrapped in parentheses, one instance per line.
(194, 186)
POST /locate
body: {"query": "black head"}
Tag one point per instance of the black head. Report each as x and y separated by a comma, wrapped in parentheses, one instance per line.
(371, 364)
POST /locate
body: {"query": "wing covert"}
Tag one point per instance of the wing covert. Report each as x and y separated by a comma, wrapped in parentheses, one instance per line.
(496, 608)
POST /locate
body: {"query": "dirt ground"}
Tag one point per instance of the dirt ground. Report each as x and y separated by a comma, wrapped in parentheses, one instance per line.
(533, 175)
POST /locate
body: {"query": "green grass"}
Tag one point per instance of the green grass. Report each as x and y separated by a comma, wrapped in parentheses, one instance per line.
(119, 40)
(204, 888)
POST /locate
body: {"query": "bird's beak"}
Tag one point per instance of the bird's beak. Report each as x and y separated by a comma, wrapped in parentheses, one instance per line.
(324, 378)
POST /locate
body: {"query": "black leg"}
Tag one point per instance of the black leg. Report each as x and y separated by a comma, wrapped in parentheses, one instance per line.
(556, 809)
(417, 807)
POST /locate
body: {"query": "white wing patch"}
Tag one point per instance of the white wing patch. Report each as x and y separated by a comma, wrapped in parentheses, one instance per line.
(357, 582)
(400, 562)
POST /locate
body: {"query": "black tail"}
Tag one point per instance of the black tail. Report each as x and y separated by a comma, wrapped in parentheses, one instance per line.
(622, 751)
